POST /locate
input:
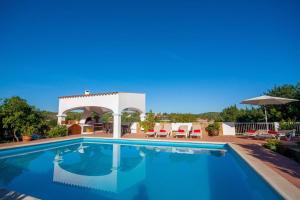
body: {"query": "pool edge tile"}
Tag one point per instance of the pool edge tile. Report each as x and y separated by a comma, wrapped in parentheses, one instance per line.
(286, 189)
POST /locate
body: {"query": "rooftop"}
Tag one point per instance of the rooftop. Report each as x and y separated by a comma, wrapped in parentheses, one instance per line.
(89, 95)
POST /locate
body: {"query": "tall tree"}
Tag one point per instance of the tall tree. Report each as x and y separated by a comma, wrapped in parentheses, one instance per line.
(288, 111)
(230, 114)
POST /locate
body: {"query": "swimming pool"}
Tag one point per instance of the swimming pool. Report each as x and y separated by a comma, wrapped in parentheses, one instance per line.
(93, 168)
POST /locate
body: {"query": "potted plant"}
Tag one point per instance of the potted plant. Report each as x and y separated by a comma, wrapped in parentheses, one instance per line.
(213, 129)
(27, 133)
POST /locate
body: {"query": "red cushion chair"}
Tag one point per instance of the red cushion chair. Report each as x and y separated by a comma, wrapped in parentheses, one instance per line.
(251, 131)
(272, 132)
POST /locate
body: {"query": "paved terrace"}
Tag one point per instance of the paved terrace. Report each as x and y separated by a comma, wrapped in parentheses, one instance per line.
(286, 167)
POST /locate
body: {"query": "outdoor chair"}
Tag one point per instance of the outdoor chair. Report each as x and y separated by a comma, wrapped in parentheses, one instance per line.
(182, 131)
(196, 131)
(153, 132)
(165, 130)
(251, 133)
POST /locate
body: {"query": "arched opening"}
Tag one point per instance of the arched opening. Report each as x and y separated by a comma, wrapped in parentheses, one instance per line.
(130, 119)
(73, 116)
(91, 119)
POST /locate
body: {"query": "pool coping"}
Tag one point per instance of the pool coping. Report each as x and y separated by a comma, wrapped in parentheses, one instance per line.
(286, 189)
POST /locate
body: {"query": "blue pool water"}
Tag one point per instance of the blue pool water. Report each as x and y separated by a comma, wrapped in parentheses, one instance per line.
(107, 169)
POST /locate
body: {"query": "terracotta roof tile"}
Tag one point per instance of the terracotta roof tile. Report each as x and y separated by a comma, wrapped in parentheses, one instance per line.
(89, 95)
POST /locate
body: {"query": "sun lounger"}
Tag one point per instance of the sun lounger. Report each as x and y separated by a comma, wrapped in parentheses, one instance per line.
(251, 133)
(182, 131)
(165, 130)
(263, 134)
(153, 132)
(196, 131)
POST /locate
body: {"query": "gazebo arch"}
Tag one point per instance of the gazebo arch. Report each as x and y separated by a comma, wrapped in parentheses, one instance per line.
(115, 102)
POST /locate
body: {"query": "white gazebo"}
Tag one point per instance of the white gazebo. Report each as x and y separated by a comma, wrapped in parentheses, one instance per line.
(100, 103)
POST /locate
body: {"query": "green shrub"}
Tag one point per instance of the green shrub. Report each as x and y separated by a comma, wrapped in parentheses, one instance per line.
(213, 129)
(58, 131)
(272, 144)
(149, 122)
(287, 125)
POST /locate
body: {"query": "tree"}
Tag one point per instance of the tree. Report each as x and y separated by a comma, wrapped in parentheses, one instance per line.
(287, 111)
(277, 113)
(230, 114)
(130, 117)
(107, 117)
(74, 116)
(17, 114)
(251, 115)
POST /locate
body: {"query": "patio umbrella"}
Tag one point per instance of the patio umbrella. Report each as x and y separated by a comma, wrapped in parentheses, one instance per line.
(267, 100)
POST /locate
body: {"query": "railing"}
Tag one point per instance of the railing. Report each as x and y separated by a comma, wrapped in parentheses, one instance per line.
(242, 127)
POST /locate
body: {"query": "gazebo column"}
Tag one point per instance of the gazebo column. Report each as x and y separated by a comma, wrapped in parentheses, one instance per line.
(61, 118)
(116, 156)
(117, 125)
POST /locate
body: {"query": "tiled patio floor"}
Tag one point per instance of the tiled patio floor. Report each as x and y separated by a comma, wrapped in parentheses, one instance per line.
(286, 167)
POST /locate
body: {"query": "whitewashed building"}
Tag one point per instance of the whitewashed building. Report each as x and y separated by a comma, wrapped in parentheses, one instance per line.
(100, 103)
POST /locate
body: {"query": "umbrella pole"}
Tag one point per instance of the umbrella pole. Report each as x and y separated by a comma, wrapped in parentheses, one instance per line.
(266, 118)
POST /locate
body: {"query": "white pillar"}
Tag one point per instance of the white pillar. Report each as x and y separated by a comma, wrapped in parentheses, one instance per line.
(117, 125)
(142, 117)
(61, 118)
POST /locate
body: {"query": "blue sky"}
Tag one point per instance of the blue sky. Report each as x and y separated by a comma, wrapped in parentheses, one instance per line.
(187, 56)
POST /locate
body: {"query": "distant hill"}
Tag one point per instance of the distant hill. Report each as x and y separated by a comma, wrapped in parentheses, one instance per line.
(210, 116)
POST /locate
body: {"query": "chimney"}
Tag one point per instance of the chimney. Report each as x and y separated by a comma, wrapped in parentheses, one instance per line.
(87, 92)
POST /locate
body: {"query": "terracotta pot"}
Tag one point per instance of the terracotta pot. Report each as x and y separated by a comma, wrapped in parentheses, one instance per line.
(26, 138)
(213, 133)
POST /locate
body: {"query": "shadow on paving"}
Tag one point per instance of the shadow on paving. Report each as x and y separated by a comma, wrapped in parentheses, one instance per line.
(283, 164)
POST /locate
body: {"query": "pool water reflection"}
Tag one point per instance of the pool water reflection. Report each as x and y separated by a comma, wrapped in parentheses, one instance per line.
(90, 170)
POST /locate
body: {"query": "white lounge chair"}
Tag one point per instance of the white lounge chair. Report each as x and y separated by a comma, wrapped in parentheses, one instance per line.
(196, 131)
(251, 133)
(153, 131)
(165, 130)
(182, 131)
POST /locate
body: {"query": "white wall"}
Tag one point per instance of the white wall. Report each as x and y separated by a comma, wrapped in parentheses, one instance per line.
(175, 126)
(132, 100)
(228, 128)
(106, 101)
(115, 102)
